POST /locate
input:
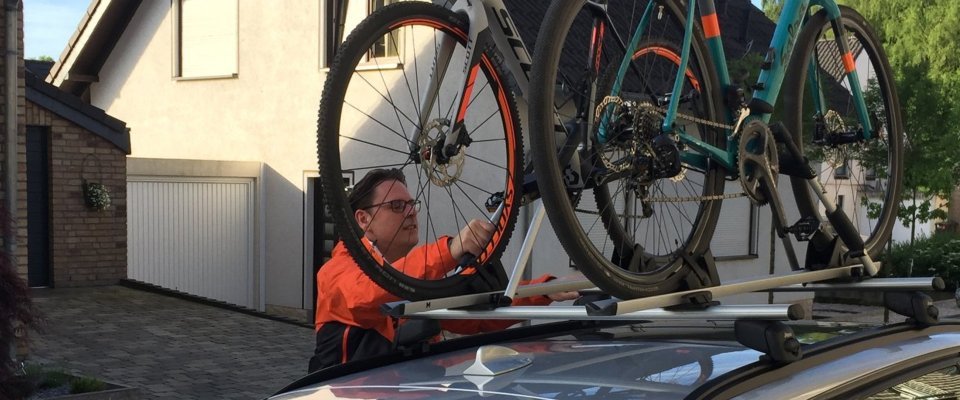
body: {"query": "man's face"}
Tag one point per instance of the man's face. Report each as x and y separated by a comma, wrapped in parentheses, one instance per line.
(394, 233)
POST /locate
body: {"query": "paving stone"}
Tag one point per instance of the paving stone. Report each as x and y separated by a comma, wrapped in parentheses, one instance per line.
(169, 348)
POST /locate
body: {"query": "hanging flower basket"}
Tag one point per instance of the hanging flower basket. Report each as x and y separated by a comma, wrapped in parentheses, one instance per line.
(96, 196)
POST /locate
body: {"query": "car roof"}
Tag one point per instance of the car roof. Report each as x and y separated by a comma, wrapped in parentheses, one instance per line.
(845, 366)
(608, 360)
(565, 359)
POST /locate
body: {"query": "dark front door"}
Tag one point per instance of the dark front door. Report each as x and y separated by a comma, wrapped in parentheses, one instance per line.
(38, 206)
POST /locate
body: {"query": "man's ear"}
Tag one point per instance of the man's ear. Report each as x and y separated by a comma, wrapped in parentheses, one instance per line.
(363, 218)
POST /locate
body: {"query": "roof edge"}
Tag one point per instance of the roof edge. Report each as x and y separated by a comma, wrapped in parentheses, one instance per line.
(74, 110)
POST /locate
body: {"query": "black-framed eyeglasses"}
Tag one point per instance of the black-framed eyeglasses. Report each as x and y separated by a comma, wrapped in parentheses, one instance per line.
(398, 206)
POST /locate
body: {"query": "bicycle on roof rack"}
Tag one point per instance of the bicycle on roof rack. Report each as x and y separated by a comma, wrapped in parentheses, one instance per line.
(632, 137)
(660, 129)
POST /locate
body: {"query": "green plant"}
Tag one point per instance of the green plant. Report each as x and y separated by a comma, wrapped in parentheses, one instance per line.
(34, 378)
(96, 196)
(17, 314)
(86, 385)
(937, 255)
(43, 378)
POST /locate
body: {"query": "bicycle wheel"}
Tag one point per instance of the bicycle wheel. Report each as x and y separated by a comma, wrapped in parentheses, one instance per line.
(641, 229)
(863, 177)
(379, 110)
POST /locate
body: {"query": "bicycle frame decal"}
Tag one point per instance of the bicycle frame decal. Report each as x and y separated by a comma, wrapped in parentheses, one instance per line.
(711, 32)
(502, 34)
(780, 51)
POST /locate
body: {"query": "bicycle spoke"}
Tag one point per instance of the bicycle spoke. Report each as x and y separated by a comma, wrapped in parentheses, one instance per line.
(375, 145)
(396, 111)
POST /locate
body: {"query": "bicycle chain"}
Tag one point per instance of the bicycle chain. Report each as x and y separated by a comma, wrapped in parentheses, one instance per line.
(607, 100)
(659, 110)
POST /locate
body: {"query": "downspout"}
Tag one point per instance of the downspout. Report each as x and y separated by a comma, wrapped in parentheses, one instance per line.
(11, 62)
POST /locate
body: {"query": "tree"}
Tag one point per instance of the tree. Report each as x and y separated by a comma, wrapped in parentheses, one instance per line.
(919, 40)
(16, 311)
(772, 8)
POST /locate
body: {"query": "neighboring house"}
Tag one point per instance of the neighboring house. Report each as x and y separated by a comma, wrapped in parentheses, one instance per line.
(221, 97)
(64, 144)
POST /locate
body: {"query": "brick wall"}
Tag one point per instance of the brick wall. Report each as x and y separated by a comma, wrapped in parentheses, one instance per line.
(88, 247)
(21, 128)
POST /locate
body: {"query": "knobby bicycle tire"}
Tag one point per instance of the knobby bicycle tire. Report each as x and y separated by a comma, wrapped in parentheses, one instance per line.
(855, 174)
(614, 258)
(365, 111)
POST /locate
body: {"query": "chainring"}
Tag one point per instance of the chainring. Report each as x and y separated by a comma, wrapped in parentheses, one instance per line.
(757, 156)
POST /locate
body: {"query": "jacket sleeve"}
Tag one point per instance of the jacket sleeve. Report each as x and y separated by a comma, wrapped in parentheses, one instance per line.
(346, 294)
(431, 261)
(471, 326)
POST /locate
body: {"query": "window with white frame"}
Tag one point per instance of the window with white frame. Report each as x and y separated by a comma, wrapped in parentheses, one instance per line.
(205, 38)
(387, 46)
(334, 28)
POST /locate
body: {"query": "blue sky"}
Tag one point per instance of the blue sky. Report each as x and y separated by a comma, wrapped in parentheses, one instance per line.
(48, 25)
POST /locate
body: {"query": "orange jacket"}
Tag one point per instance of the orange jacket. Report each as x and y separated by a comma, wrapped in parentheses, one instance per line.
(345, 294)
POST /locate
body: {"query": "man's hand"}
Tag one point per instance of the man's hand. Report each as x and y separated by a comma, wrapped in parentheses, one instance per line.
(563, 296)
(472, 239)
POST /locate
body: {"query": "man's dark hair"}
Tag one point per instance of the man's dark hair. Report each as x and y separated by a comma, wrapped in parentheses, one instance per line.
(360, 196)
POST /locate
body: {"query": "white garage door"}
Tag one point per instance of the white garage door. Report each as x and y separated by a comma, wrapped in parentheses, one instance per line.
(194, 235)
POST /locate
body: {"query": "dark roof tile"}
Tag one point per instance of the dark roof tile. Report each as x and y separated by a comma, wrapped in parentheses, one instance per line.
(75, 110)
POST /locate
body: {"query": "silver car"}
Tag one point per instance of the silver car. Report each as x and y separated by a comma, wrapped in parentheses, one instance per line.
(661, 360)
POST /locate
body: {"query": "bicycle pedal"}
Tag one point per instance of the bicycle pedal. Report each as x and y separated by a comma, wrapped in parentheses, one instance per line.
(805, 228)
(493, 202)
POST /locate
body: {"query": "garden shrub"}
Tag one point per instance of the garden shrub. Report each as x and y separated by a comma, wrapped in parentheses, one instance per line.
(937, 255)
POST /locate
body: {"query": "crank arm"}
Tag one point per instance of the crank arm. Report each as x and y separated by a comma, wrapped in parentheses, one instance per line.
(769, 188)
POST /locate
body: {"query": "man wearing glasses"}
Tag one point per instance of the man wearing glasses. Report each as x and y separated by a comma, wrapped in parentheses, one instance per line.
(349, 323)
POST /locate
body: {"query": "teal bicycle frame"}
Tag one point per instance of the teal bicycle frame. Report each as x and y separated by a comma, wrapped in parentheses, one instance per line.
(699, 153)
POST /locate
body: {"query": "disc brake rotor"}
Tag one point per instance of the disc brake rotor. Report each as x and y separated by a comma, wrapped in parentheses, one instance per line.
(441, 173)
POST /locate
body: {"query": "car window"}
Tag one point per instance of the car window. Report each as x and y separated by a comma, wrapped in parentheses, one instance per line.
(940, 384)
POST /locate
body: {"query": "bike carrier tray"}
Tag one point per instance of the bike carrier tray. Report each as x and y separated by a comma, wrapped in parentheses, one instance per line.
(780, 312)
(871, 285)
(617, 307)
(405, 308)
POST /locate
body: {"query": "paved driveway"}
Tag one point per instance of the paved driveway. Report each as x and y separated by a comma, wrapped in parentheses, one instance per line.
(168, 347)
